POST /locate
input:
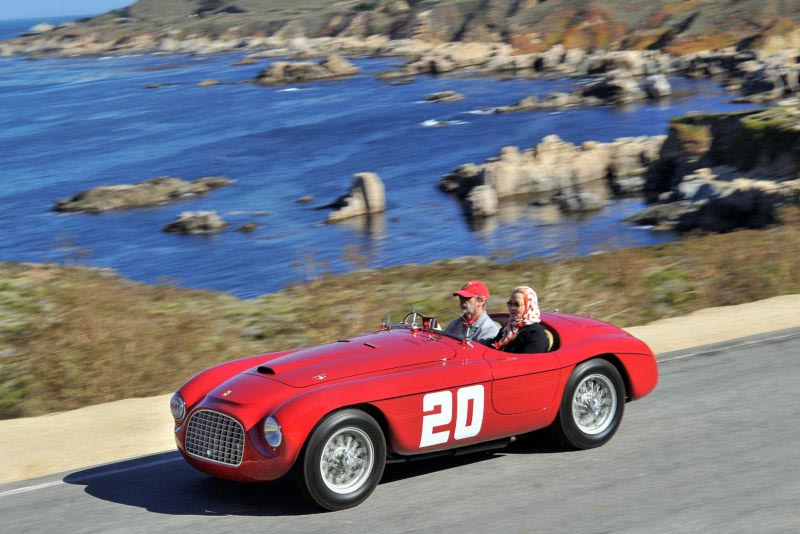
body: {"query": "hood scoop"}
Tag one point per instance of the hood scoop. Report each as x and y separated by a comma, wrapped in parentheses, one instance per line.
(267, 370)
(352, 357)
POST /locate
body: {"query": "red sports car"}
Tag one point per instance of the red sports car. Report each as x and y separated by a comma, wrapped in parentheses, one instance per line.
(334, 414)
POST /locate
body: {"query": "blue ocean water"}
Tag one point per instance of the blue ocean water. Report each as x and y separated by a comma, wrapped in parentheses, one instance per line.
(72, 124)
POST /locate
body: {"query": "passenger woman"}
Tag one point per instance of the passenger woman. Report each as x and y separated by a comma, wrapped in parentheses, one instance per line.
(523, 332)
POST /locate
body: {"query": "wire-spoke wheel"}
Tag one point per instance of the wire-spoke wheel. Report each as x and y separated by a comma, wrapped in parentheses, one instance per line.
(343, 460)
(594, 403)
(592, 406)
(347, 460)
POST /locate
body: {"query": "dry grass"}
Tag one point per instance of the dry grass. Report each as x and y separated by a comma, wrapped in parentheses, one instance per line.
(73, 336)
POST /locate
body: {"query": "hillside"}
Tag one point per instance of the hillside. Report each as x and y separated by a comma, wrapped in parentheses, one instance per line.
(528, 25)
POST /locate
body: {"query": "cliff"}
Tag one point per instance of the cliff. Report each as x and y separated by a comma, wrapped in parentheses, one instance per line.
(725, 171)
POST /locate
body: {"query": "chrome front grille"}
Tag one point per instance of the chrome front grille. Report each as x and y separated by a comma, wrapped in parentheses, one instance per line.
(216, 437)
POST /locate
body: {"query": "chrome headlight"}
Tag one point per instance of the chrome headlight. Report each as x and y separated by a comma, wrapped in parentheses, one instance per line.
(272, 432)
(178, 407)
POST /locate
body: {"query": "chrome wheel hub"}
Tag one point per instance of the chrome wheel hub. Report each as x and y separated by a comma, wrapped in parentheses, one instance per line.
(347, 460)
(594, 404)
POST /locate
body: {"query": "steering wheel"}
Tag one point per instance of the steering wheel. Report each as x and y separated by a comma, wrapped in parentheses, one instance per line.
(414, 318)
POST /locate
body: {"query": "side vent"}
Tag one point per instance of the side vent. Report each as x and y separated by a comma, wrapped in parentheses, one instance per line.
(264, 370)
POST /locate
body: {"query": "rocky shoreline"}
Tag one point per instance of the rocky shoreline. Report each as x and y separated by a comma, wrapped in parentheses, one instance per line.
(619, 76)
(691, 176)
(714, 173)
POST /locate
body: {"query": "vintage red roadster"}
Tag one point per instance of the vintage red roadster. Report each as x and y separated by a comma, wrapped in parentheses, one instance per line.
(334, 414)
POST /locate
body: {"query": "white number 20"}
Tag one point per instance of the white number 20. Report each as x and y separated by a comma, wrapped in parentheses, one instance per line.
(443, 400)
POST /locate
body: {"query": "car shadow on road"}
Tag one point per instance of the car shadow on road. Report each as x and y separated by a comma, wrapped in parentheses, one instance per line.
(541, 442)
(165, 484)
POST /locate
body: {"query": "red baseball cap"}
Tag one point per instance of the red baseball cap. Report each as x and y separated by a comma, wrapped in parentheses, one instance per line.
(473, 288)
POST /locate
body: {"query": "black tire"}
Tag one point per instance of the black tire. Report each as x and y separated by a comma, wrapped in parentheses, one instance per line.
(343, 460)
(592, 406)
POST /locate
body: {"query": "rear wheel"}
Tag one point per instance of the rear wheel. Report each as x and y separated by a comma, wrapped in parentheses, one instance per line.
(592, 406)
(343, 460)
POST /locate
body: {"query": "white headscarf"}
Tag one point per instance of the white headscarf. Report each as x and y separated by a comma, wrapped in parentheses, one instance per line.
(530, 315)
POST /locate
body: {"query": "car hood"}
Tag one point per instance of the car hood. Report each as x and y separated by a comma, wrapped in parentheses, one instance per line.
(372, 353)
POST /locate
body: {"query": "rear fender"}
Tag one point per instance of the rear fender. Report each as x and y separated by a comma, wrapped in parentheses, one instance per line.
(640, 372)
(607, 343)
(632, 357)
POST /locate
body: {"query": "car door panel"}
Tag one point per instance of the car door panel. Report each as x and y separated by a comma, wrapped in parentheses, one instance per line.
(523, 382)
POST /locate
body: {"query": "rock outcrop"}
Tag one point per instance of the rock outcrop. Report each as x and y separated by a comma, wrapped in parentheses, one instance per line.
(481, 201)
(196, 222)
(553, 166)
(725, 171)
(285, 72)
(444, 96)
(720, 200)
(619, 87)
(580, 202)
(159, 190)
(366, 196)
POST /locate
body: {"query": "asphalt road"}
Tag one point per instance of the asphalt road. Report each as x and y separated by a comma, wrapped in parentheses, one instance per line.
(715, 448)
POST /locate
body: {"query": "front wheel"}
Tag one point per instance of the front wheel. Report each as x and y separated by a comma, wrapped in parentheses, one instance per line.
(592, 406)
(343, 460)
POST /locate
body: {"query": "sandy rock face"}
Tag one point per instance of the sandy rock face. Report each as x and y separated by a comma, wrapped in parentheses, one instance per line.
(482, 201)
(366, 196)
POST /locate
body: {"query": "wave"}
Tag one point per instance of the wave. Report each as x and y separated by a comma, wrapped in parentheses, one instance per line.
(484, 111)
(431, 123)
(121, 56)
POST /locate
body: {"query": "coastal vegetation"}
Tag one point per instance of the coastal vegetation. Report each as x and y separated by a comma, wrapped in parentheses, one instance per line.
(73, 335)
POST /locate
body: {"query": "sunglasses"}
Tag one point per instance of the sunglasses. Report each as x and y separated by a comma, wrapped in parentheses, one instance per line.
(512, 304)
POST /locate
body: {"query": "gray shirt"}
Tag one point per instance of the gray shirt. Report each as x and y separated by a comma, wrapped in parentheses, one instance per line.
(482, 330)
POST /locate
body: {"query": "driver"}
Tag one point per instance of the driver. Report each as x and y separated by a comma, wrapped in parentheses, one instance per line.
(474, 323)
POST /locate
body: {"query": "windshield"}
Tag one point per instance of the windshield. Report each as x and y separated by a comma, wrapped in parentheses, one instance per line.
(415, 320)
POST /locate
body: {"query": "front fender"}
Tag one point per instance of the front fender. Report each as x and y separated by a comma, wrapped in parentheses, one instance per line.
(299, 415)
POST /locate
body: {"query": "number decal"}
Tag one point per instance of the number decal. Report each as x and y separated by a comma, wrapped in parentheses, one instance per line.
(471, 396)
(437, 408)
(444, 401)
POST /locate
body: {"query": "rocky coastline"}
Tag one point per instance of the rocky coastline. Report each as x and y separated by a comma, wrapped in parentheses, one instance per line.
(724, 172)
(694, 177)
(713, 173)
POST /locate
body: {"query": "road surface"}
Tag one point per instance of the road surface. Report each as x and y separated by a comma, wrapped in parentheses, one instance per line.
(713, 449)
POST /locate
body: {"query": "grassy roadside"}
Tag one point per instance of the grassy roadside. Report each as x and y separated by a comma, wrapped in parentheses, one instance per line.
(71, 336)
